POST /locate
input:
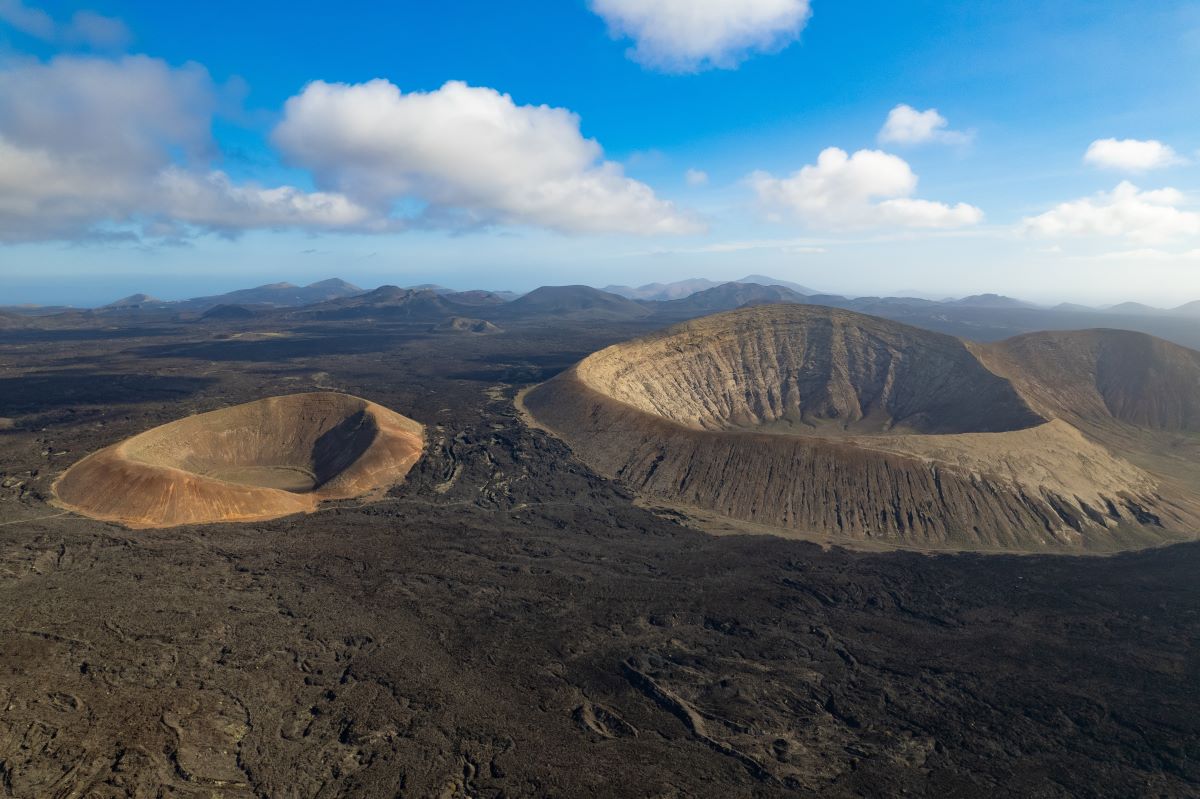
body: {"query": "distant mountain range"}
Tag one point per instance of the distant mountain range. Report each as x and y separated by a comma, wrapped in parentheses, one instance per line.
(279, 295)
(289, 295)
(272, 295)
(982, 317)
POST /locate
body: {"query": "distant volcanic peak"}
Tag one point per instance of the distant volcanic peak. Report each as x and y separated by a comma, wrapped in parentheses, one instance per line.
(807, 370)
(764, 280)
(992, 301)
(134, 300)
(334, 283)
(728, 296)
(261, 460)
(582, 301)
(389, 293)
(1133, 308)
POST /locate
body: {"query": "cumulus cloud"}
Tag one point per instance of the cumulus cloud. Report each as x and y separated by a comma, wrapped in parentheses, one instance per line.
(907, 125)
(695, 177)
(470, 155)
(689, 35)
(1131, 155)
(93, 147)
(868, 189)
(89, 146)
(85, 27)
(122, 112)
(1127, 211)
(214, 201)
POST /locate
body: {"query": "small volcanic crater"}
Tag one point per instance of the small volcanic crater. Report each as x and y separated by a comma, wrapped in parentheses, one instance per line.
(261, 460)
(817, 421)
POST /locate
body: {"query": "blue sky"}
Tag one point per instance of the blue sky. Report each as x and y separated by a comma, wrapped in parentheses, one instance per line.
(184, 148)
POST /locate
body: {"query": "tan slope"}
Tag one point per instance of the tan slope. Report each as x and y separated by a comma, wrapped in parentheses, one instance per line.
(1102, 375)
(1052, 458)
(262, 460)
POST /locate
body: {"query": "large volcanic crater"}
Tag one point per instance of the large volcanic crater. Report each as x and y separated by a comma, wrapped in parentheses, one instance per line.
(818, 421)
(262, 460)
(814, 372)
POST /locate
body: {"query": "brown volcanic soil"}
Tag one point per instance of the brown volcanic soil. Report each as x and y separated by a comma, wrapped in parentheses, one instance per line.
(508, 623)
(261, 460)
(890, 434)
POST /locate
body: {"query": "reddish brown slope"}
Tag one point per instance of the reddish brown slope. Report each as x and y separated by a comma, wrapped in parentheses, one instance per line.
(261, 460)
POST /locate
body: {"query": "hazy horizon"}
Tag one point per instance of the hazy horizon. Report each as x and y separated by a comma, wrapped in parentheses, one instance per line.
(96, 293)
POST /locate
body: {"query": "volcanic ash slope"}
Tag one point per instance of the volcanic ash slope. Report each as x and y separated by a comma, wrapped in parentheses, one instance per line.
(261, 460)
(813, 420)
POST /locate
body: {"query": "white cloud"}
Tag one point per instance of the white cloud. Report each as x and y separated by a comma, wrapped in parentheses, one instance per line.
(121, 112)
(470, 154)
(213, 201)
(92, 146)
(1145, 216)
(907, 125)
(688, 35)
(1131, 155)
(85, 27)
(868, 189)
(696, 177)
